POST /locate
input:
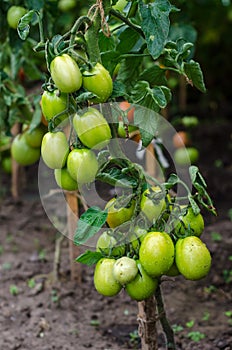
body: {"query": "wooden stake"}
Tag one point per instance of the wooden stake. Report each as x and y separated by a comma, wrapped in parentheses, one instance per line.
(150, 160)
(74, 251)
(147, 324)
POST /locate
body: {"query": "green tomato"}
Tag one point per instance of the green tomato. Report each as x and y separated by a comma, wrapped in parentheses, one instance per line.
(64, 180)
(152, 203)
(54, 103)
(54, 149)
(125, 270)
(82, 165)
(184, 156)
(66, 5)
(156, 253)
(14, 14)
(143, 286)
(193, 258)
(190, 221)
(22, 152)
(118, 215)
(34, 137)
(104, 280)
(108, 245)
(98, 81)
(66, 73)
(7, 165)
(92, 129)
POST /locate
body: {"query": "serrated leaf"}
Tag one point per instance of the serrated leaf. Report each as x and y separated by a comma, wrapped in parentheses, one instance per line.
(89, 258)
(194, 73)
(89, 224)
(119, 89)
(23, 26)
(159, 96)
(155, 24)
(129, 71)
(154, 75)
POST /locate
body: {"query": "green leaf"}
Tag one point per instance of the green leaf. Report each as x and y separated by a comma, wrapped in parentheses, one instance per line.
(106, 43)
(114, 176)
(146, 119)
(128, 39)
(89, 223)
(129, 71)
(119, 89)
(23, 26)
(194, 205)
(155, 24)
(196, 176)
(89, 257)
(194, 74)
(172, 181)
(154, 75)
(36, 118)
(110, 60)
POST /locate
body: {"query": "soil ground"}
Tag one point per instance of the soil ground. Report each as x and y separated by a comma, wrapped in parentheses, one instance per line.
(36, 313)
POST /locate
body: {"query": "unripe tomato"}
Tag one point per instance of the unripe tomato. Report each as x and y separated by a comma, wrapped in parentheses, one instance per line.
(6, 164)
(152, 202)
(104, 280)
(54, 103)
(66, 73)
(34, 137)
(156, 253)
(118, 215)
(66, 5)
(14, 14)
(82, 165)
(92, 129)
(108, 245)
(54, 149)
(22, 152)
(125, 270)
(190, 221)
(98, 81)
(193, 258)
(64, 180)
(143, 286)
(184, 156)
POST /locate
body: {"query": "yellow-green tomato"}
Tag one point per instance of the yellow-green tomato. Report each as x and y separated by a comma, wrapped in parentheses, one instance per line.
(152, 202)
(6, 164)
(190, 221)
(64, 180)
(22, 152)
(92, 129)
(54, 104)
(156, 253)
(118, 215)
(125, 270)
(142, 286)
(54, 149)
(82, 165)
(108, 245)
(35, 136)
(65, 73)
(193, 258)
(104, 280)
(98, 81)
(14, 14)
(185, 156)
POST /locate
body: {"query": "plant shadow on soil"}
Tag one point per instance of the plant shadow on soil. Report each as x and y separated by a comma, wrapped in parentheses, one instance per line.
(36, 313)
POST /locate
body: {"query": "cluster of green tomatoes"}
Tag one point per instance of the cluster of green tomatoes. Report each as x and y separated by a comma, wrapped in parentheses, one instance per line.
(138, 264)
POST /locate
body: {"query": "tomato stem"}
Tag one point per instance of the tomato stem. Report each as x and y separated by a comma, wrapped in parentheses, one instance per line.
(127, 21)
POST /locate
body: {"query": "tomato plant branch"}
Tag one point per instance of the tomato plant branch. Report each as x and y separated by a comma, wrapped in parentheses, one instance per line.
(127, 21)
(163, 319)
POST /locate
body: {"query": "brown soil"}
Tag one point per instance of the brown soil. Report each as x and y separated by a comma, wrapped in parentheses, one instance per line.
(37, 313)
